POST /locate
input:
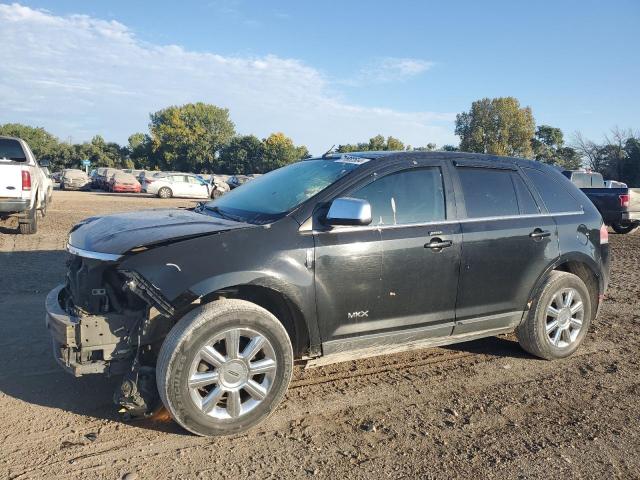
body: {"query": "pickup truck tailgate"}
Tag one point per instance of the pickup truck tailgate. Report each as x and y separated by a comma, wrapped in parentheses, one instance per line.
(10, 179)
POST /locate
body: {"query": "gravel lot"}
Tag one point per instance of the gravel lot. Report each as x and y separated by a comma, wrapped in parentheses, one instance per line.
(482, 409)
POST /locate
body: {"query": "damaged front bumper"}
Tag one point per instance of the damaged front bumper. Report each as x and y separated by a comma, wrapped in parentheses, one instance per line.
(89, 344)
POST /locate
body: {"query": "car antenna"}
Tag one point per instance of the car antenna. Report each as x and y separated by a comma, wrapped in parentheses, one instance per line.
(328, 152)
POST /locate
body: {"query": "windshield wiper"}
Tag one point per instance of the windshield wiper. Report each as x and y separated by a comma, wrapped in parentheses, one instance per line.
(219, 211)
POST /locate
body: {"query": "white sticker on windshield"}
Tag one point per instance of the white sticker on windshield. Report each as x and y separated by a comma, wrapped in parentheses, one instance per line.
(352, 159)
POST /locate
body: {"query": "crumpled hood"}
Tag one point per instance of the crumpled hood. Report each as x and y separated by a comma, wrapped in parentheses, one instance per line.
(119, 233)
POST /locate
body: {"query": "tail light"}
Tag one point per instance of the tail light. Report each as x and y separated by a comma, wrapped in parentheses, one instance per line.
(624, 200)
(26, 180)
(604, 234)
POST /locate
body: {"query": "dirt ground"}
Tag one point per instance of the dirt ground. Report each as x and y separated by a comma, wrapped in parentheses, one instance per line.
(482, 409)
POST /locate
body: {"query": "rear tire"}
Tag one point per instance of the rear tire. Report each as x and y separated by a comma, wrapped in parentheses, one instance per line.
(43, 208)
(623, 228)
(558, 319)
(165, 192)
(241, 357)
(29, 225)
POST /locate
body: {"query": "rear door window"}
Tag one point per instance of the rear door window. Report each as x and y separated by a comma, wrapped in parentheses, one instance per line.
(488, 192)
(406, 197)
(555, 196)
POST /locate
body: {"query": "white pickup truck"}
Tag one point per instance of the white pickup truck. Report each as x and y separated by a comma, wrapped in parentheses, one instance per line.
(25, 187)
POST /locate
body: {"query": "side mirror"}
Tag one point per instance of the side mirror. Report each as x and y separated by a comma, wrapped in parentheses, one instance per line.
(44, 163)
(349, 211)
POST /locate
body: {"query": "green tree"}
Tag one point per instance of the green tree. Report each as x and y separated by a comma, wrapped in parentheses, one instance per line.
(377, 143)
(497, 126)
(189, 137)
(140, 150)
(429, 147)
(243, 155)
(279, 150)
(393, 144)
(42, 143)
(449, 148)
(548, 147)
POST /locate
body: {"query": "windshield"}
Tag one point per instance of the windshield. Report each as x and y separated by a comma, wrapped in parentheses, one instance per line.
(271, 196)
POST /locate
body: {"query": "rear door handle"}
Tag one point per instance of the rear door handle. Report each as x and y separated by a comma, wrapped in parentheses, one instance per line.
(438, 244)
(539, 233)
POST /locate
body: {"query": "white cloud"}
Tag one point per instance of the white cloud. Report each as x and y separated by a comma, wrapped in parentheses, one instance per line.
(77, 75)
(390, 69)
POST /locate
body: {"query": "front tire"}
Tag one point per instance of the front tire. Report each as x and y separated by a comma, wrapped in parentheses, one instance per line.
(165, 192)
(224, 367)
(558, 319)
(623, 228)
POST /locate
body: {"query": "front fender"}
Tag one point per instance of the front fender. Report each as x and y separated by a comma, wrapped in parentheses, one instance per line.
(273, 257)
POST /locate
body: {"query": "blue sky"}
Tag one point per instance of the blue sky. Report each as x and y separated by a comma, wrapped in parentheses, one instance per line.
(322, 72)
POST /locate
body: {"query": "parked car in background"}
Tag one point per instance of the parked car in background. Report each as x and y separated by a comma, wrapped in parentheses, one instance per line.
(122, 182)
(104, 177)
(236, 180)
(25, 186)
(148, 177)
(93, 175)
(133, 172)
(619, 206)
(327, 260)
(179, 185)
(97, 177)
(74, 179)
(218, 185)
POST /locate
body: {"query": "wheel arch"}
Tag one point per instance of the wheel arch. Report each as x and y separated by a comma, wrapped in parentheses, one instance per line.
(580, 265)
(276, 302)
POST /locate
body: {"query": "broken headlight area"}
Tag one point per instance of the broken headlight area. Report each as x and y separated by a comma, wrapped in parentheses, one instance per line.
(107, 321)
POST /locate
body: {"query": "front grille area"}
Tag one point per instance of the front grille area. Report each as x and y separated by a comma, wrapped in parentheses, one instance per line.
(95, 288)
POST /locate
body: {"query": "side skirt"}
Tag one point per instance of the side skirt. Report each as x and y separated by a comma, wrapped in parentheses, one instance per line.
(337, 351)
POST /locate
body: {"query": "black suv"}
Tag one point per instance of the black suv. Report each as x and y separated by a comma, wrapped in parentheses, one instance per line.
(326, 260)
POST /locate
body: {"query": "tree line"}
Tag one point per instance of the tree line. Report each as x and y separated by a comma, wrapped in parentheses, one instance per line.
(195, 137)
(500, 126)
(201, 138)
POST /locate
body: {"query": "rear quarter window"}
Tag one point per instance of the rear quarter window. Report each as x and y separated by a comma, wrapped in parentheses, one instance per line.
(554, 193)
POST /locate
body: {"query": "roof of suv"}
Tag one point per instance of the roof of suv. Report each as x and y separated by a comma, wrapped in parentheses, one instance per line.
(435, 154)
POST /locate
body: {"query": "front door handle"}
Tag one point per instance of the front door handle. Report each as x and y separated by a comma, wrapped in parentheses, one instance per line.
(437, 244)
(539, 233)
